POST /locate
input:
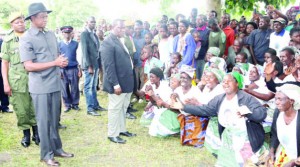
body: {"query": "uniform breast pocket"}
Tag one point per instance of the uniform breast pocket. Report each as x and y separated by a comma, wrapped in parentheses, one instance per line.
(18, 82)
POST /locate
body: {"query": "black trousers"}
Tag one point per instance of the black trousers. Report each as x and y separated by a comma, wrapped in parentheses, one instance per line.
(3, 97)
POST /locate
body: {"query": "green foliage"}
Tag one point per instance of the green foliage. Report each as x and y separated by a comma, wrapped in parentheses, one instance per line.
(246, 6)
(5, 10)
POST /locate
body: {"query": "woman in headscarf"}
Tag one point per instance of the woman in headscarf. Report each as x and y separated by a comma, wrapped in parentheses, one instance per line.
(211, 89)
(192, 128)
(285, 141)
(239, 116)
(165, 121)
(211, 52)
(154, 88)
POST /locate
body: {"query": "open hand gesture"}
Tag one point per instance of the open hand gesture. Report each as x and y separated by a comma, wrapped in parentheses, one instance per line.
(270, 68)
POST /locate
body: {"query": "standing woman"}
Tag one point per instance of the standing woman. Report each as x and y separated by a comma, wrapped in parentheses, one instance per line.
(184, 43)
(15, 80)
(285, 141)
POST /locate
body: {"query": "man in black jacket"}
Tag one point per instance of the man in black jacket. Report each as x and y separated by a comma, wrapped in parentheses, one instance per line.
(90, 53)
(117, 81)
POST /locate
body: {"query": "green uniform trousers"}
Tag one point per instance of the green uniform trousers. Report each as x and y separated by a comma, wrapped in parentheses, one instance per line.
(24, 110)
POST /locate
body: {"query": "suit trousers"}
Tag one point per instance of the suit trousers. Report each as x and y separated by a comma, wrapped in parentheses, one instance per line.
(117, 107)
(47, 111)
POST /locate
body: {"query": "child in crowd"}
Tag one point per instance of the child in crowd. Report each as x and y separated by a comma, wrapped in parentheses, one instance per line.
(148, 41)
(148, 38)
(151, 62)
(196, 36)
(173, 68)
(155, 51)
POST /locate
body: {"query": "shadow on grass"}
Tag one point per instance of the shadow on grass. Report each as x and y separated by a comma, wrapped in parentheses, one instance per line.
(86, 137)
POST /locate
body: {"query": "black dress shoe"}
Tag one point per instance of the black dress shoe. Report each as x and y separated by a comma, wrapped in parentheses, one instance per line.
(50, 162)
(64, 155)
(127, 134)
(7, 111)
(93, 113)
(67, 109)
(130, 109)
(100, 109)
(76, 108)
(117, 140)
(130, 116)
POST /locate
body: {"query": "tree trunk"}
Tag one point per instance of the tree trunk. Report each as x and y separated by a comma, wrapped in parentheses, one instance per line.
(214, 5)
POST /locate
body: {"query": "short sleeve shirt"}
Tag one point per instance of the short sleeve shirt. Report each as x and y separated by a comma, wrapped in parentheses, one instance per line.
(41, 47)
(260, 41)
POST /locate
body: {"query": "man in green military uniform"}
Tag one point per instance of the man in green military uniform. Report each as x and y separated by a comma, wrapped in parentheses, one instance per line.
(15, 80)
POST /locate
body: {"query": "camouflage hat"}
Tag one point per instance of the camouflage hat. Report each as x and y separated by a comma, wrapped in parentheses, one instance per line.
(15, 15)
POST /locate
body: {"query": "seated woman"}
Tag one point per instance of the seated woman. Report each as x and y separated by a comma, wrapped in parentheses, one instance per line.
(165, 121)
(211, 89)
(258, 88)
(285, 140)
(192, 128)
(155, 87)
(239, 116)
(211, 52)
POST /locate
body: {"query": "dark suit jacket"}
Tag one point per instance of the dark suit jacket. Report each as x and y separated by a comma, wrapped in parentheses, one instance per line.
(90, 49)
(117, 67)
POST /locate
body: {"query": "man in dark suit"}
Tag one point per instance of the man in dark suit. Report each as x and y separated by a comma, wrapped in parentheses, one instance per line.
(117, 81)
(90, 53)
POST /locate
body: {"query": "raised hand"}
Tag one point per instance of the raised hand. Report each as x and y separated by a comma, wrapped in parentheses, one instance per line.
(269, 69)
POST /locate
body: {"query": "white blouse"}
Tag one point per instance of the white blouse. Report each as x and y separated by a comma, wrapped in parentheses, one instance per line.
(287, 135)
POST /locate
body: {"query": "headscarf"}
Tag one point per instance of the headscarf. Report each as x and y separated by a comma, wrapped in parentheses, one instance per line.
(190, 71)
(177, 76)
(259, 69)
(292, 91)
(158, 72)
(239, 78)
(219, 62)
(244, 67)
(214, 50)
(218, 73)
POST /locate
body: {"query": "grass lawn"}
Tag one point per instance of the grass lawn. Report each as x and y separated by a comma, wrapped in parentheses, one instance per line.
(86, 137)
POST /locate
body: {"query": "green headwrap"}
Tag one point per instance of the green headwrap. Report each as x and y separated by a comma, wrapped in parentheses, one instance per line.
(218, 73)
(239, 78)
(244, 67)
(177, 76)
(214, 50)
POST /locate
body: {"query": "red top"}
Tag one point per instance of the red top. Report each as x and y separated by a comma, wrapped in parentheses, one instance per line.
(229, 32)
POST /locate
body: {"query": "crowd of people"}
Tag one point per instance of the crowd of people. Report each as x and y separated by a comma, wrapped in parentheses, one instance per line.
(216, 82)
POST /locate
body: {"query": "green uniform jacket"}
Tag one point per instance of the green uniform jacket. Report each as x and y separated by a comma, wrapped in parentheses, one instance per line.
(17, 75)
